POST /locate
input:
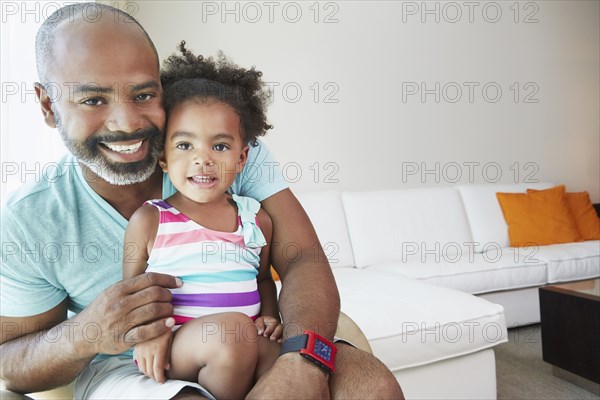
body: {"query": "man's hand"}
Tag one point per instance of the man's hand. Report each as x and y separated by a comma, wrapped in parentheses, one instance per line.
(269, 327)
(130, 312)
(152, 357)
(302, 380)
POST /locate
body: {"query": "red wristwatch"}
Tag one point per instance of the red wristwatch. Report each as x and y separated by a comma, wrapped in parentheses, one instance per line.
(314, 348)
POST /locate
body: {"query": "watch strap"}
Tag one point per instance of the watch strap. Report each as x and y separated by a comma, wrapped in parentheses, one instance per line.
(295, 343)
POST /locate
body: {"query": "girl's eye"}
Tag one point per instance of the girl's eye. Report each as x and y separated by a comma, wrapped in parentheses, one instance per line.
(220, 147)
(183, 146)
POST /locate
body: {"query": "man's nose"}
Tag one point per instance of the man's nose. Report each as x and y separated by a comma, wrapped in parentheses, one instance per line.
(124, 117)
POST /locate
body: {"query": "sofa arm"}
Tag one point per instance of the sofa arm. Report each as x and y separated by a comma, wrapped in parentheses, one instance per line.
(63, 392)
(349, 331)
(8, 395)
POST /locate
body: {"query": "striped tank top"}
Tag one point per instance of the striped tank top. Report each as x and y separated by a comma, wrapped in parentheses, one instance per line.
(218, 269)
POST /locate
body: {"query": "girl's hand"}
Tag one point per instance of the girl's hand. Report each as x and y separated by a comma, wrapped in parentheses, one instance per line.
(269, 327)
(152, 357)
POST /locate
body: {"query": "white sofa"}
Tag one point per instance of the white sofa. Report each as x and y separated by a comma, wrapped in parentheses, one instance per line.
(429, 277)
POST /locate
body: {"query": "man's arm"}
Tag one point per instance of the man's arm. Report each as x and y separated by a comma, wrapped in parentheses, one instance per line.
(309, 298)
(26, 341)
(46, 350)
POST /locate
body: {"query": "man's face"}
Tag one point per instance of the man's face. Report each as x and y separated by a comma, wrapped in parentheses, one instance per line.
(109, 107)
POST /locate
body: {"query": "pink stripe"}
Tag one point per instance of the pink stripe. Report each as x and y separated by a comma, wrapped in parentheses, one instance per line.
(168, 216)
(199, 235)
(180, 319)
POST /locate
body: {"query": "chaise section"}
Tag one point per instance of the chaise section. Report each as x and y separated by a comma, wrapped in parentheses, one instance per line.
(420, 330)
(409, 323)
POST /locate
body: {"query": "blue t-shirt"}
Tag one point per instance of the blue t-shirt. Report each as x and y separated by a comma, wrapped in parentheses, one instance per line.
(61, 239)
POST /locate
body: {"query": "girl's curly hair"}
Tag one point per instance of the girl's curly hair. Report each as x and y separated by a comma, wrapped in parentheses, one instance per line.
(189, 77)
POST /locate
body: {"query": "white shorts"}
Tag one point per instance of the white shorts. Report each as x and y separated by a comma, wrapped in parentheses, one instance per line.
(119, 378)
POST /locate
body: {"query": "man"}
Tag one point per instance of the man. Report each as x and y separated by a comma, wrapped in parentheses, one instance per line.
(62, 238)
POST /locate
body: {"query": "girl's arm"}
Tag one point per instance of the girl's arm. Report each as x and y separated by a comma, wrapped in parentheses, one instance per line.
(153, 355)
(139, 239)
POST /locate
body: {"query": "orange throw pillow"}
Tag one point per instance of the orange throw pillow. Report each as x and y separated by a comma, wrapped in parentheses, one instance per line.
(538, 217)
(586, 218)
(274, 274)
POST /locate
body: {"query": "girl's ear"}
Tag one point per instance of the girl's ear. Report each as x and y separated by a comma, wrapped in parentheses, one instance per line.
(45, 104)
(243, 158)
(162, 161)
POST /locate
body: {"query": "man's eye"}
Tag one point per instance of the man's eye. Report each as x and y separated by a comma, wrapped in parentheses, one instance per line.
(220, 147)
(183, 146)
(96, 101)
(144, 97)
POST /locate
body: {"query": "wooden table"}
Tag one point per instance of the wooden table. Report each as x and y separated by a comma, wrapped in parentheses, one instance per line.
(570, 319)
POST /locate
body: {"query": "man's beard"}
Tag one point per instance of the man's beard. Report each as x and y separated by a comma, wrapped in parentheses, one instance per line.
(115, 173)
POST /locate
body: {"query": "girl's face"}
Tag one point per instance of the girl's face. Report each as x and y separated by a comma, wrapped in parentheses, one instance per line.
(204, 150)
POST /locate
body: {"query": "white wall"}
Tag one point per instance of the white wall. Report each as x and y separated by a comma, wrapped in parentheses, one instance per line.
(372, 53)
(363, 129)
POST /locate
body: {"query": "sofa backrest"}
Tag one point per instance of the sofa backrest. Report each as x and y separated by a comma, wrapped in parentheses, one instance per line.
(327, 216)
(387, 226)
(486, 220)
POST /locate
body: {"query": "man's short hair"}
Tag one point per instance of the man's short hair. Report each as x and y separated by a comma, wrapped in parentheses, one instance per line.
(90, 12)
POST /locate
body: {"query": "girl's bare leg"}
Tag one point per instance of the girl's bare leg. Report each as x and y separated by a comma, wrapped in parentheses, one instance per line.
(219, 351)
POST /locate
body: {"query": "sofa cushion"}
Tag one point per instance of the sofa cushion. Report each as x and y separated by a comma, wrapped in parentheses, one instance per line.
(586, 218)
(327, 216)
(386, 225)
(571, 261)
(410, 323)
(497, 269)
(538, 217)
(484, 213)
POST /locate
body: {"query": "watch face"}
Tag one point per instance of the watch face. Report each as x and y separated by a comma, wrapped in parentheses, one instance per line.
(322, 350)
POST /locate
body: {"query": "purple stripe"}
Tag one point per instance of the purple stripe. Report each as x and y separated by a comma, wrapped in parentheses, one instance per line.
(217, 299)
(159, 203)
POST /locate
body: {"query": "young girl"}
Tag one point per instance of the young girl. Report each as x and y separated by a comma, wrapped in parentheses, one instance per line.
(217, 243)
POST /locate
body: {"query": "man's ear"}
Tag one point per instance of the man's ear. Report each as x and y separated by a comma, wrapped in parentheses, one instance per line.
(162, 161)
(45, 104)
(243, 158)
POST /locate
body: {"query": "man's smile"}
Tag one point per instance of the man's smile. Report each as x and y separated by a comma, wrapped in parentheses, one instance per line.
(127, 151)
(124, 147)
